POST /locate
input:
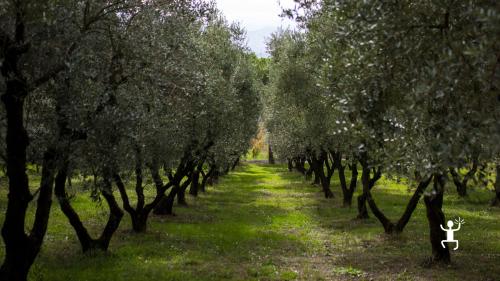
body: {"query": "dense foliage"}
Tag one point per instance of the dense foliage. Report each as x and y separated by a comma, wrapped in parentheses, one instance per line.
(405, 88)
(114, 91)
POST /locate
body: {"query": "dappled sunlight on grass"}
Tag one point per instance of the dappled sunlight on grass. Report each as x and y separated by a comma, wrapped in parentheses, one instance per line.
(263, 223)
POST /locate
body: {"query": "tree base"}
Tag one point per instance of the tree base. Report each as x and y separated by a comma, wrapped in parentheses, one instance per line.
(435, 262)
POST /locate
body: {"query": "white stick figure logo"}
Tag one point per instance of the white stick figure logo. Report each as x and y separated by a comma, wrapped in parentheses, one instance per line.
(450, 232)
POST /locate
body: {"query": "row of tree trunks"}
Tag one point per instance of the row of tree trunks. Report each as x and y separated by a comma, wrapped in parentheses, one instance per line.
(162, 204)
(165, 204)
(297, 163)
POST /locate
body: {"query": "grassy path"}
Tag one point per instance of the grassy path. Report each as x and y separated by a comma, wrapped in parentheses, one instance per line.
(263, 223)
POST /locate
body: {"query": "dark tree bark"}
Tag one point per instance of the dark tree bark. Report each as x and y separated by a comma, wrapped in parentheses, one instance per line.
(195, 180)
(319, 162)
(347, 191)
(317, 180)
(290, 164)
(205, 178)
(368, 183)
(166, 205)
(21, 248)
(300, 164)
(461, 184)
(271, 156)
(496, 200)
(138, 215)
(235, 164)
(166, 202)
(436, 219)
(88, 243)
(214, 178)
(412, 204)
(181, 194)
(398, 227)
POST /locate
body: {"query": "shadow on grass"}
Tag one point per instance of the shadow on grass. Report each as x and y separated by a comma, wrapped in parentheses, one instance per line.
(224, 234)
(362, 244)
(263, 223)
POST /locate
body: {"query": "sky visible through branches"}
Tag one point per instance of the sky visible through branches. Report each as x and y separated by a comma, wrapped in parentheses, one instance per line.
(260, 18)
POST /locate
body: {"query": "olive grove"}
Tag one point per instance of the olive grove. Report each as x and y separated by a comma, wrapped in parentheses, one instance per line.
(406, 89)
(114, 92)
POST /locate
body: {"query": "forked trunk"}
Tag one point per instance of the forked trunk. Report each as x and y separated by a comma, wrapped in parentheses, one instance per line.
(368, 183)
(166, 204)
(88, 243)
(319, 171)
(21, 249)
(181, 195)
(398, 227)
(205, 179)
(412, 204)
(347, 191)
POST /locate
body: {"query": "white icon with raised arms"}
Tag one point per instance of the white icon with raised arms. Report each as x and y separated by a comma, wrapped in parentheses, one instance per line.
(450, 232)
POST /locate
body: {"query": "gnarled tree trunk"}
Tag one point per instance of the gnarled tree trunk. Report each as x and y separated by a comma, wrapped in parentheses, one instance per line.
(205, 178)
(436, 219)
(21, 248)
(398, 227)
(195, 180)
(461, 184)
(166, 202)
(88, 243)
(368, 183)
(319, 163)
(347, 191)
(181, 194)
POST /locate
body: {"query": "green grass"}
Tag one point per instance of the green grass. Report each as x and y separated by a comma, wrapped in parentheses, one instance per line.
(264, 223)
